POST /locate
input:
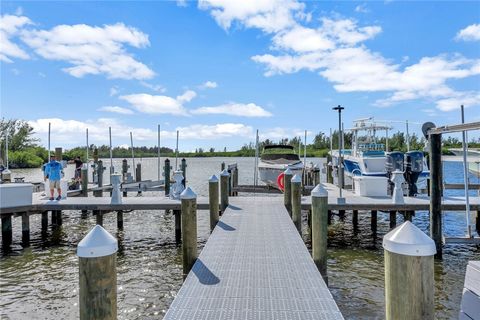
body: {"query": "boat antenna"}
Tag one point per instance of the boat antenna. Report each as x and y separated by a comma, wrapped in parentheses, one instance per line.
(158, 155)
(465, 175)
(133, 157)
(176, 154)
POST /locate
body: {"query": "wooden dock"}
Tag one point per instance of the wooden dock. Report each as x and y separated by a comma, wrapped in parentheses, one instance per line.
(254, 266)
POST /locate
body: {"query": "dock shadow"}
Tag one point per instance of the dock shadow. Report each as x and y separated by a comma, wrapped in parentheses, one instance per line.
(204, 275)
(225, 226)
(234, 207)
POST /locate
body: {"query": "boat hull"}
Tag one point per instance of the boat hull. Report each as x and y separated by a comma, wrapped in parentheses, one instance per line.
(269, 173)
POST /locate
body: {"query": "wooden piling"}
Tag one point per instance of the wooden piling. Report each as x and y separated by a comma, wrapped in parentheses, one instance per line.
(222, 166)
(53, 216)
(100, 170)
(44, 221)
(213, 201)
(393, 219)
(120, 220)
(138, 175)
(436, 186)
(25, 229)
(99, 217)
(7, 229)
(59, 217)
(373, 221)
(329, 169)
(224, 190)
(287, 192)
(235, 181)
(189, 229)
(183, 167)
(329, 218)
(84, 175)
(320, 229)
(296, 190)
(477, 222)
(97, 254)
(409, 271)
(166, 170)
(125, 167)
(177, 214)
(355, 219)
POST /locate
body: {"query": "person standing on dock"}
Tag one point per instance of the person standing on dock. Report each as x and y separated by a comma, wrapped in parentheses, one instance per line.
(53, 171)
(78, 169)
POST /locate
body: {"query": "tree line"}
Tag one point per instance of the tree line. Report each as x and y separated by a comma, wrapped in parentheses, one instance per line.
(25, 152)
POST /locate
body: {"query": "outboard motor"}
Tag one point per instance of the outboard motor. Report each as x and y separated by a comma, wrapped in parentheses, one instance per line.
(413, 168)
(393, 163)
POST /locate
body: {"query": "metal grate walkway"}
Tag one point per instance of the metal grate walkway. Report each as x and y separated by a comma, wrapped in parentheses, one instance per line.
(254, 266)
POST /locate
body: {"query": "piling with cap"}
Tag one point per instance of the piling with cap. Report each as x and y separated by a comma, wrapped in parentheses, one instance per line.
(287, 192)
(329, 169)
(189, 229)
(100, 170)
(84, 176)
(409, 271)
(235, 181)
(398, 179)
(138, 175)
(224, 190)
(436, 190)
(183, 167)
(296, 184)
(97, 254)
(320, 229)
(125, 167)
(116, 193)
(213, 201)
(166, 172)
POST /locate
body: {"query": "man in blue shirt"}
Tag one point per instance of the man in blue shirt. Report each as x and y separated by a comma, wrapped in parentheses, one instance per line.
(53, 171)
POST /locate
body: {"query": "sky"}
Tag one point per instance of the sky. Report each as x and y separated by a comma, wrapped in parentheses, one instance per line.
(218, 70)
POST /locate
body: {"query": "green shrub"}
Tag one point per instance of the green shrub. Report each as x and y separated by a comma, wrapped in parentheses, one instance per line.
(24, 159)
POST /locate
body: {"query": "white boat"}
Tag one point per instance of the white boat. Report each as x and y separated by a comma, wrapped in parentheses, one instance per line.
(473, 159)
(274, 160)
(370, 158)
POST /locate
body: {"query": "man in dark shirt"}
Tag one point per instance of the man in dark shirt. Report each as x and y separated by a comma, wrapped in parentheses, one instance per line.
(78, 168)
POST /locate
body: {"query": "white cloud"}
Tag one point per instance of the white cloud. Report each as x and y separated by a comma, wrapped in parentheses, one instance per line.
(208, 85)
(187, 96)
(454, 102)
(116, 109)
(235, 109)
(362, 8)
(268, 15)
(278, 133)
(113, 91)
(182, 3)
(470, 33)
(10, 26)
(158, 104)
(67, 132)
(301, 39)
(154, 87)
(92, 49)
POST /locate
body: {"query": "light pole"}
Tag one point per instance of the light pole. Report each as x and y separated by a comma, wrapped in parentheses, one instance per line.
(340, 199)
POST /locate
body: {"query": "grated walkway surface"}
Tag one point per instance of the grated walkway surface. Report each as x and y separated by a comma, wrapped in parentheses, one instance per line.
(254, 266)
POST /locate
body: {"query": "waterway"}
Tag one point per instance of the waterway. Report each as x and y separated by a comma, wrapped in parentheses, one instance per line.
(41, 281)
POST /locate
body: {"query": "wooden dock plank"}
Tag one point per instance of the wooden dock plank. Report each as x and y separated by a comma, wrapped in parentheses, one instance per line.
(254, 266)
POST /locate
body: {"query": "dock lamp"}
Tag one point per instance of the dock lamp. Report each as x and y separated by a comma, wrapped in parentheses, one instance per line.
(340, 199)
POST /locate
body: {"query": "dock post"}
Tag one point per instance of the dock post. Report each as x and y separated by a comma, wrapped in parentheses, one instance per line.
(329, 169)
(189, 229)
(44, 221)
(355, 220)
(235, 181)
(100, 169)
(222, 166)
(99, 217)
(166, 171)
(120, 220)
(177, 214)
(296, 184)
(84, 175)
(393, 219)
(7, 229)
(477, 222)
(54, 218)
(287, 193)
(59, 217)
(213, 201)
(97, 254)
(436, 191)
(138, 176)
(320, 229)
(316, 177)
(409, 270)
(125, 167)
(373, 221)
(329, 218)
(224, 190)
(183, 167)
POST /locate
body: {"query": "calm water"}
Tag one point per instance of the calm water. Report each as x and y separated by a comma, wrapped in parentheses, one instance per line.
(41, 282)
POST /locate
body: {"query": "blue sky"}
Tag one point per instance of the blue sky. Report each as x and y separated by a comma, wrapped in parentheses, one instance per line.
(218, 70)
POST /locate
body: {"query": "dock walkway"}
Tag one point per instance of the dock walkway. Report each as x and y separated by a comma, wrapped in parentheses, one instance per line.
(254, 266)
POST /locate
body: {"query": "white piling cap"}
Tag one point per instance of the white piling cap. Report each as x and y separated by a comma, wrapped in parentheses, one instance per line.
(409, 240)
(296, 179)
(288, 171)
(188, 194)
(97, 243)
(319, 191)
(225, 173)
(213, 179)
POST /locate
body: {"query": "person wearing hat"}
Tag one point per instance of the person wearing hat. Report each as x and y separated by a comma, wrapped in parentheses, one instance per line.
(53, 172)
